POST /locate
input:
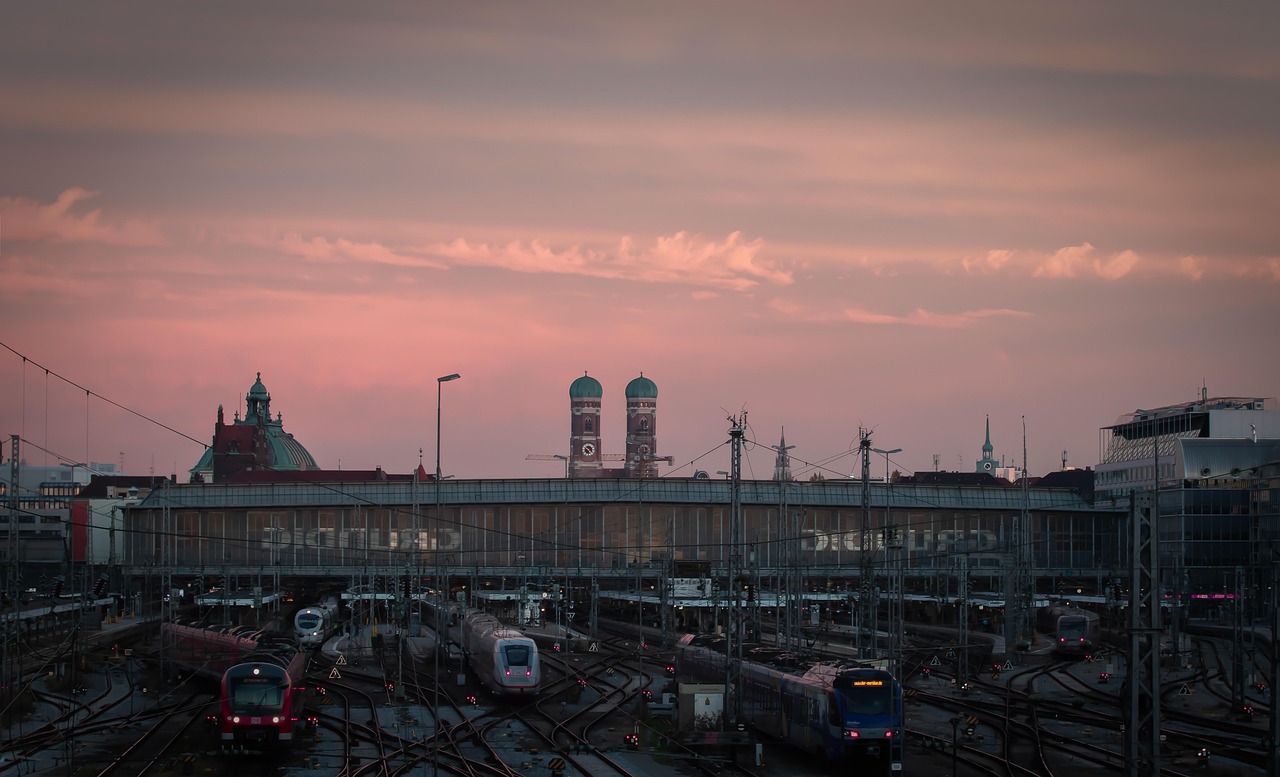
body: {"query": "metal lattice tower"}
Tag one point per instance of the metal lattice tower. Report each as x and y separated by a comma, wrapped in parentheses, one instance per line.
(962, 624)
(867, 609)
(12, 661)
(1237, 643)
(1142, 731)
(1019, 598)
(733, 645)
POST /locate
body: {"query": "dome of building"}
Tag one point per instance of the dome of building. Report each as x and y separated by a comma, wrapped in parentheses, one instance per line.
(642, 388)
(585, 387)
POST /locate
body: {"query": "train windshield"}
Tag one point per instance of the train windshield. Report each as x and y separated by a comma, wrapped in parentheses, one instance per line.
(309, 621)
(517, 655)
(867, 697)
(256, 693)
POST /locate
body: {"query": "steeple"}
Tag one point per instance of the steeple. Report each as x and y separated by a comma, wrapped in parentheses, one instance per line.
(782, 464)
(987, 463)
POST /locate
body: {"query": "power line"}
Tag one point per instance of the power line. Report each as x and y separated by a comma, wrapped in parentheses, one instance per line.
(91, 393)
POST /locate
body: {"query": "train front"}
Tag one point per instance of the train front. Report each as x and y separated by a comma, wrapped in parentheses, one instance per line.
(517, 667)
(256, 706)
(310, 626)
(870, 702)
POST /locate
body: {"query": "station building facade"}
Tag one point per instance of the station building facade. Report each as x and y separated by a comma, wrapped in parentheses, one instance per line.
(615, 528)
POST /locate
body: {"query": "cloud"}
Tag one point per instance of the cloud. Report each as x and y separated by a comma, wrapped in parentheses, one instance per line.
(28, 220)
(1073, 261)
(917, 318)
(733, 263)
(321, 249)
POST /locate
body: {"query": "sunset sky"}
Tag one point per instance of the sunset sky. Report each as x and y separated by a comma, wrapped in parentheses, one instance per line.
(906, 216)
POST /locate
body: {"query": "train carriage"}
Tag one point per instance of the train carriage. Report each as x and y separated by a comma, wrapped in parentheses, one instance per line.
(844, 712)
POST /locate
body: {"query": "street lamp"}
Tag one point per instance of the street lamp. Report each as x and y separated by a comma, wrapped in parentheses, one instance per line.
(886, 459)
(439, 390)
(435, 549)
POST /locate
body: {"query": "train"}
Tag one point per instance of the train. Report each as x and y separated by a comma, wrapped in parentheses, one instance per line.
(260, 678)
(504, 660)
(1075, 630)
(262, 702)
(313, 625)
(843, 711)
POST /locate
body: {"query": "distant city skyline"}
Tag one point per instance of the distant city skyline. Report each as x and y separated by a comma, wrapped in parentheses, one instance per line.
(908, 217)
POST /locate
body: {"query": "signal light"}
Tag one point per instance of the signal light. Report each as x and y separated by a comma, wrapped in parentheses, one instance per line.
(58, 582)
(100, 587)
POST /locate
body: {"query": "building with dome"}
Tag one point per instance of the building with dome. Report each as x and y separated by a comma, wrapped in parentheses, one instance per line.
(256, 442)
(586, 459)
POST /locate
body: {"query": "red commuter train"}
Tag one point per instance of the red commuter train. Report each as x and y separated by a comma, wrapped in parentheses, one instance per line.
(261, 681)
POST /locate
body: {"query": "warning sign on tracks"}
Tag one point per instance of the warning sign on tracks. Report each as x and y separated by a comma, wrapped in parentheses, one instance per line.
(1007, 665)
(935, 662)
(334, 674)
(342, 660)
(951, 654)
(594, 647)
(1185, 690)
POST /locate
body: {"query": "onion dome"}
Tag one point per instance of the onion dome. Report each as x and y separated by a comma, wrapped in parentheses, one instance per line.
(585, 387)
(642, 388)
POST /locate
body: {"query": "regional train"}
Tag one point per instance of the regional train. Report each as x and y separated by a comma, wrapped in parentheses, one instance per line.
(260, 678)
(845, 712)
(262, 702)
(1075, 630)
(313, 625)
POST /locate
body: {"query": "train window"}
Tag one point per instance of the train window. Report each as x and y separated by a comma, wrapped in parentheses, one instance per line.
(833, 710)
(517, 655)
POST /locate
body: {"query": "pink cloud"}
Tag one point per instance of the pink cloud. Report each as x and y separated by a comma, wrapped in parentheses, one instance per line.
(732, 263)
(320, 249)
(918, 318)
(1072, 261)
(25, 219)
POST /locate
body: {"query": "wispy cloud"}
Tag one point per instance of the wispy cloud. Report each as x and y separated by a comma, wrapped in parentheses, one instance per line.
(323, 249)
(916, 318)
(733, 263)
(26, 219)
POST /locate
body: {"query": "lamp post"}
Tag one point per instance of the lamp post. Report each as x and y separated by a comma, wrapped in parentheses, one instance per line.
(435, 550)
(886, 460)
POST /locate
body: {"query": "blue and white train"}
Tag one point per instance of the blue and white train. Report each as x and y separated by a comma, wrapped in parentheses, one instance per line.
(313, 625)
(846, 713)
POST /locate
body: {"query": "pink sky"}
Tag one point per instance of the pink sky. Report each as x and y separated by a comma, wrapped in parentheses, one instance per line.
(900, 215)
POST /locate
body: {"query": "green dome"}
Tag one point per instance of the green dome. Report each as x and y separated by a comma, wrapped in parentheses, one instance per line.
(258, 390)
(585, 387)
(642, 388)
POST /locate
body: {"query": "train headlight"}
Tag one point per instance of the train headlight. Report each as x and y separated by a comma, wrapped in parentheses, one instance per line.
(276, 719)
(235, 719)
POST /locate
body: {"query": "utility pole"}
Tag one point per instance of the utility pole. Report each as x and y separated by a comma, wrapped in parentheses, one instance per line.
(1142, 730)
(867, 600)
(13, 587)
(733, 643)
(1021, 591)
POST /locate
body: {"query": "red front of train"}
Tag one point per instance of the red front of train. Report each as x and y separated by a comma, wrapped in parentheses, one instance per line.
(262, 703)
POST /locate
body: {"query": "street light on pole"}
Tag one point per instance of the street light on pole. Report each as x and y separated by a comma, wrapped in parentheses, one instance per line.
(435, 551)
(886, 459)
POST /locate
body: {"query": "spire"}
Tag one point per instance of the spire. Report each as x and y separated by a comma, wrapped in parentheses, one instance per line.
(986, 446)
(782, 464)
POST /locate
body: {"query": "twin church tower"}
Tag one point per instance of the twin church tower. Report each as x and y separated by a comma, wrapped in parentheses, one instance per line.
(586, 459)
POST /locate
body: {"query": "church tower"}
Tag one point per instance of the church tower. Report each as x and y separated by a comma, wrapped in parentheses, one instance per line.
(987, 464)
(642, 444)
(584, 433)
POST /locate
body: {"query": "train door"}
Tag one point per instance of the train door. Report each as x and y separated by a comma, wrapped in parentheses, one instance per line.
(815, 720)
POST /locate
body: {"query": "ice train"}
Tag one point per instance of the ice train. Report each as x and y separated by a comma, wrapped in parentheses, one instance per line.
(313, 625)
